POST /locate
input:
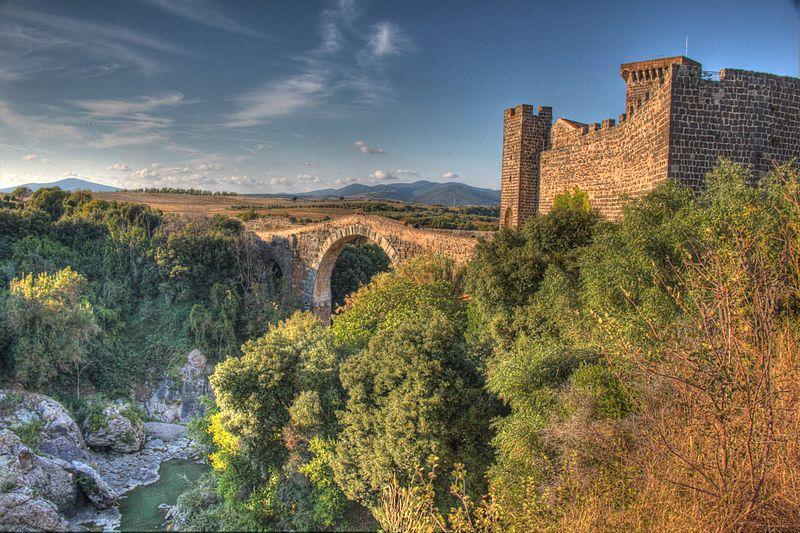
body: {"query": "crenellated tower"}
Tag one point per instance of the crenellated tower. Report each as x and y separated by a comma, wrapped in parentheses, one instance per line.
(678, 122)
(642, 78)
(525, 136)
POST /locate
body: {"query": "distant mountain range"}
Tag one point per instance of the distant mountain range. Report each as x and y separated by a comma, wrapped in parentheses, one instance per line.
(68, 184)
(422, 191)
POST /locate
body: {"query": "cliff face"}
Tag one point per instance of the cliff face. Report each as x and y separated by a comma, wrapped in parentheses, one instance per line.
(179, 400)
(47, 478)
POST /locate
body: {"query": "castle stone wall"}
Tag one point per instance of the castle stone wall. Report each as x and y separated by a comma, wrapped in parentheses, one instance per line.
(678, 124)
(525, 135)
(748, 117)
(610, 161)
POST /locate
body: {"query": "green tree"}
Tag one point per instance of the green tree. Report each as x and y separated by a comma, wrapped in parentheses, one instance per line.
(50, 200)
(21, 192)
(414, 399)
(52, 325)
(417, 287)
(355, 267)
(276, 402)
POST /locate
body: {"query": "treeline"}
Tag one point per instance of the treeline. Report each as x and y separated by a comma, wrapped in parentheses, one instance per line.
(417, 215)
(631, 375)
(174, 190)
(100, 296)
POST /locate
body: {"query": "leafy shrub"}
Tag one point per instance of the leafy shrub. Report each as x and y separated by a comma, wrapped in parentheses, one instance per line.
(30, 432)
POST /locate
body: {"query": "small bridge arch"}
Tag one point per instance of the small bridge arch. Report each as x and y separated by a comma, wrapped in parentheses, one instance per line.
(313, 249)
(328, 254)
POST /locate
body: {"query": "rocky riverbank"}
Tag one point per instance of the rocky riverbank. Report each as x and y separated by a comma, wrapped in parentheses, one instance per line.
(126, 471)
(56, 473)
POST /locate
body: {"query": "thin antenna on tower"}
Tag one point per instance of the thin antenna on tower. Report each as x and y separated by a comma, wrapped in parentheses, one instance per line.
(686, 47)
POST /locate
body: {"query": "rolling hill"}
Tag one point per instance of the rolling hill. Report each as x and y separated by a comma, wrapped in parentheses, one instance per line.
(68, 184)
(425, 192)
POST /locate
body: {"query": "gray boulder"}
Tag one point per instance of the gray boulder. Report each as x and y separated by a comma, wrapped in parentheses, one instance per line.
(59, 435)
(117, 428)
(47, 477)
(94, 486)
(21, 510)
(178, 400)
(164, 431)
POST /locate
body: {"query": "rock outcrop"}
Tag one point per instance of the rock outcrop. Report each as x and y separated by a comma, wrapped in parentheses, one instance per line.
(178, 400)
(59, 435)
(125, 472)
(47, 477)
(35, 492)
(94, 486)
(116, 428)
(21, 510)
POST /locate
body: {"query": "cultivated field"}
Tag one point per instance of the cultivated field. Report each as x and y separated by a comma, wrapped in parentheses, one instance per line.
(278, 212)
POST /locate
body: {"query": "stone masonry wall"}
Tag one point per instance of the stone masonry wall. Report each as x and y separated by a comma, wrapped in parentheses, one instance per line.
(678, 125)
(525, 135)
(748, 117)
(610, 161)
(315, 247)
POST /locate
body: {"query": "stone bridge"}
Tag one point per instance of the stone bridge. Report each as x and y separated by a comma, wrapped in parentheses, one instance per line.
(306, 255)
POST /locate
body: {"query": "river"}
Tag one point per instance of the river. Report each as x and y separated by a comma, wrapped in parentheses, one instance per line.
(140, 507)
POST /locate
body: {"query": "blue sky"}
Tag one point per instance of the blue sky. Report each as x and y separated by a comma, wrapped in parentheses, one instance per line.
(268, 96)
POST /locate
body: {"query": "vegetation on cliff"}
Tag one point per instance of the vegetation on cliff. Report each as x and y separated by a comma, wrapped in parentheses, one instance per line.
(100, 296)
(578, 374)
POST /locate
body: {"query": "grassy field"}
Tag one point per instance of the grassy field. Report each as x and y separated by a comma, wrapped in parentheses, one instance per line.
(276, 212)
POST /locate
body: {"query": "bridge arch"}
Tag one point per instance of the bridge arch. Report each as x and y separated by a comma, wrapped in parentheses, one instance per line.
(328, 254)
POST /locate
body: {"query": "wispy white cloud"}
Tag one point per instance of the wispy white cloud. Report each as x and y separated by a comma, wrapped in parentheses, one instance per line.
(134, 106)
(449, 176)
(344, 68)
(35, 127)
(366, 149)
(33, 41)
(386, 39)
(280, 98)
(205, 13)
(118, 167)
(128, 136)
(30, 157)
(406, 172)
(209, 167)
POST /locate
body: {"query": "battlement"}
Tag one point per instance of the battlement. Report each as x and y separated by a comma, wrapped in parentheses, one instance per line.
(642, 77)
(678, 121)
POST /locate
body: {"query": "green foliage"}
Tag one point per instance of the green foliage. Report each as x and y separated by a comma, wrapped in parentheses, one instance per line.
(418, 287)
(507, 271)
(29, 433)
(52, 325)
(21, 192)
(90, 412)
(216, 329)
(274, 401)
(326, 500)
(355, 267)
(577, 201)
(50, 200)
(414, 399)
(143, 274)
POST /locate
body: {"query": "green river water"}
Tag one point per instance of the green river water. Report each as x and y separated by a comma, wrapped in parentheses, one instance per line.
(139, 508)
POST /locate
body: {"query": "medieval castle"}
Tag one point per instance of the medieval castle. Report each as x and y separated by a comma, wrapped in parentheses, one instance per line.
(678, 122)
